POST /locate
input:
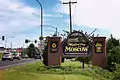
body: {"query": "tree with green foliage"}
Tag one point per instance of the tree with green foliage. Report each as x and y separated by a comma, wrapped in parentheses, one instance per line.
(116, 74)
(111, 43)
(31, 50)
(113, 53)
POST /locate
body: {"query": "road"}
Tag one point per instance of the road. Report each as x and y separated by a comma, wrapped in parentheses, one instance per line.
(6, 64)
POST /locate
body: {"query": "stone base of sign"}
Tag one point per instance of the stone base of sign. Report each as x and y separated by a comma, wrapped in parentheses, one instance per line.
(52, 57)
(99, 51)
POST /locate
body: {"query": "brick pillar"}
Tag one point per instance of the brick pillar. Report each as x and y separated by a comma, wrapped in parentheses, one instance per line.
(99, 51)
(54, 51)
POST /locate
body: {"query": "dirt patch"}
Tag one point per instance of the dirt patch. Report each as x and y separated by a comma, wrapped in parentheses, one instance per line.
(2, 74)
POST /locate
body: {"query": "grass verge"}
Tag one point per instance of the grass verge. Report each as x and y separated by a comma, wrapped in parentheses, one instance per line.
(2, 74)
(0, 56)
(37, 71)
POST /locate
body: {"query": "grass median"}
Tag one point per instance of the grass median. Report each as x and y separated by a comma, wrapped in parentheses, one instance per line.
(0, 56)
(37, 71)
(2, 72)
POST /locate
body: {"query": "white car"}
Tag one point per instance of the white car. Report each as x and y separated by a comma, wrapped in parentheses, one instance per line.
(7, 56)
(24, 56)
(16, 56)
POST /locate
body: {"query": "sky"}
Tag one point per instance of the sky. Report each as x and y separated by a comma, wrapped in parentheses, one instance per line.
(20, 19)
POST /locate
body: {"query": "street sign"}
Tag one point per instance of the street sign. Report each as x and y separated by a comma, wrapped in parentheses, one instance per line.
(40, 38)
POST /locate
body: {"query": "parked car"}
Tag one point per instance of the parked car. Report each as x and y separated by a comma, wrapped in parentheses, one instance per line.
(24, 56)
(16, 56)
(7, 56)
(38, 56)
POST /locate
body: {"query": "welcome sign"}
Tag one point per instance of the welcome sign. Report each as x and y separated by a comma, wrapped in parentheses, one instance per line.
(76, 45)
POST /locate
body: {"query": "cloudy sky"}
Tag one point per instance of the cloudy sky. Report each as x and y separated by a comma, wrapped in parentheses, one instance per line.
(21, 18)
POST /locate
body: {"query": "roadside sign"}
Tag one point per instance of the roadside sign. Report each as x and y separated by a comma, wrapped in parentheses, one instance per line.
(76, 45)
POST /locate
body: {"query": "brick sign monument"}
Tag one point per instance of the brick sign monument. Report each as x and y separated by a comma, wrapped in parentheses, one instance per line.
(77, 44)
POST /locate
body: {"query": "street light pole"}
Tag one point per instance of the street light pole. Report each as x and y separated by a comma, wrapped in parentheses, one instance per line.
(56, 31)
(41, 17)
(11, 45)
(53, 27)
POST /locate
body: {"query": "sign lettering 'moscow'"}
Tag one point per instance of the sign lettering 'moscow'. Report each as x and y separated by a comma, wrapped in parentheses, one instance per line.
(76, 45)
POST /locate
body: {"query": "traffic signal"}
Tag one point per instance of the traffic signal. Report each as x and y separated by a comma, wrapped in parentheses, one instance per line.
(35, 41)
(3, 38)
(40, 38)
(26, 40)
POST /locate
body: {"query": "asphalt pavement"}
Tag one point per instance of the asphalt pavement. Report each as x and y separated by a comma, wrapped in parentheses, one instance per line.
(15, 62)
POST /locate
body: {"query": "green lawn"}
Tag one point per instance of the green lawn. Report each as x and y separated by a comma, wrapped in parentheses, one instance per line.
(0, 56)
(37, 71)
(36, 76)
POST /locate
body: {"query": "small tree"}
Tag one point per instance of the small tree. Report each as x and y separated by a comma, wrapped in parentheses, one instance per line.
(113, 53)
(116, 74)
(31, 50)
(111, 43)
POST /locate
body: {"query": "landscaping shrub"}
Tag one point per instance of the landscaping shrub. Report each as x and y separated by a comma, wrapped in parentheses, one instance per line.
(102, 72)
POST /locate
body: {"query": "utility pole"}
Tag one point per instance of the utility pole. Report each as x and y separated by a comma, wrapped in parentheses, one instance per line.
(70, 13)
(11, 45)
